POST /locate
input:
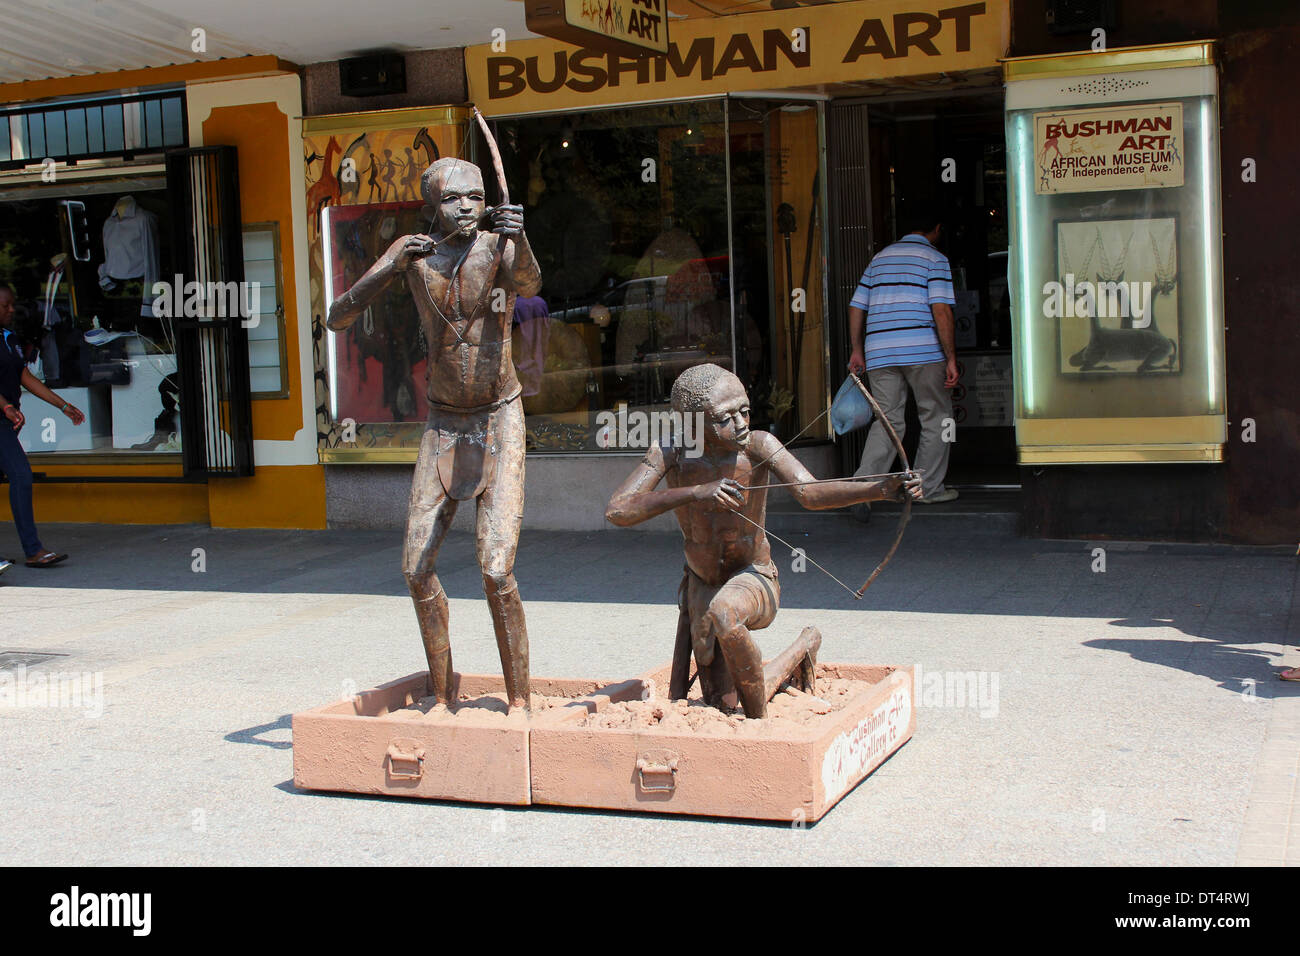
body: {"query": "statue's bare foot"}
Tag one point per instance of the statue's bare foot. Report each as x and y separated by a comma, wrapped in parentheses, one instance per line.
(431, 705)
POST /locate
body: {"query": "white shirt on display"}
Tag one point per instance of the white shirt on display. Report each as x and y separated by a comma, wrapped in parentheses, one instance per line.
(131, 248)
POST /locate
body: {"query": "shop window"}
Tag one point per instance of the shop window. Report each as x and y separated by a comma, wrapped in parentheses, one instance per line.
(656, 231)
(88, 323)
(777, 225)
(268, 362)
(627, 213)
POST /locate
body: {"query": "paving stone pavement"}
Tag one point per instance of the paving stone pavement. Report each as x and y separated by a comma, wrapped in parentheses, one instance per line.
(1131, 716)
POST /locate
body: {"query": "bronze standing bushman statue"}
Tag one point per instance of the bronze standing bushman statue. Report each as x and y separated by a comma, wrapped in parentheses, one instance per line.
(464, 283)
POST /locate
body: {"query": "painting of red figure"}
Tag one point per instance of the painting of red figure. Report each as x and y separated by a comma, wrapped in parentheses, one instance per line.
(380, 361)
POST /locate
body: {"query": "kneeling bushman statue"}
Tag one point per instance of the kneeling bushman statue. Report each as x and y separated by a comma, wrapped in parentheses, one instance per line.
(730, 586)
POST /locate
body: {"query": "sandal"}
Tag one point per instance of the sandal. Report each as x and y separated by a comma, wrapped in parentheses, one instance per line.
(1291, 673)
(46, 559)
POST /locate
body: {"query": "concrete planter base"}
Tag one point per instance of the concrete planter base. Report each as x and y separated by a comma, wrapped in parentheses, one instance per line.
(374, 744)
(563, 756)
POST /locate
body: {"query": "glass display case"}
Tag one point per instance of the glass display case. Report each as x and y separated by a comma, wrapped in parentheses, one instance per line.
(1115, 264)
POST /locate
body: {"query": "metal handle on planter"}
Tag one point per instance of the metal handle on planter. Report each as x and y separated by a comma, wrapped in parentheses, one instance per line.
(660, 764)
(415, 755)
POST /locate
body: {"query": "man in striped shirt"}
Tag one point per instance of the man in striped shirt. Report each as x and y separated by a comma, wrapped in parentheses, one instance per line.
(905, 298)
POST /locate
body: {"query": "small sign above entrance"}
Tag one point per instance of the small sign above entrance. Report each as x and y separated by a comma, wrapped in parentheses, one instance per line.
(628, 27)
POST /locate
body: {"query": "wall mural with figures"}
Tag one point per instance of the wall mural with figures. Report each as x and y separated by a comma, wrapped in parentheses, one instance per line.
(363, 191)
(1119, 283)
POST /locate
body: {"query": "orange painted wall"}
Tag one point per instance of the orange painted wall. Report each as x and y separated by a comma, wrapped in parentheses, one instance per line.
(287, 496)
(260, 132)
(283, 496)
(115, 503)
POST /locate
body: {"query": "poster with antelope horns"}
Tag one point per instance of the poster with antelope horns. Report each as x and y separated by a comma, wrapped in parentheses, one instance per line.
(1115, 297)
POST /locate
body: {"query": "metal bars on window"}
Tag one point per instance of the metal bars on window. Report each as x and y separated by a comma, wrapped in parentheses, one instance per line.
(92, 129)
(212, 340)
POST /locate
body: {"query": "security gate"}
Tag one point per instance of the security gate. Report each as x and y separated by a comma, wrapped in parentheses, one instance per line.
(212, 339)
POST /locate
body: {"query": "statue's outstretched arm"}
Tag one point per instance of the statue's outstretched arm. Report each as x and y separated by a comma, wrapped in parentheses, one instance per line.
(820, 495)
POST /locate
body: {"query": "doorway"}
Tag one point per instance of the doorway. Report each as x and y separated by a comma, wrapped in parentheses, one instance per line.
(950, 148)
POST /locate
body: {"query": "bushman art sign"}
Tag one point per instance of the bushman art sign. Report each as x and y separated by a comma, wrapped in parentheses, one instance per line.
(1115, 147)
(618, 26)
(803, 47)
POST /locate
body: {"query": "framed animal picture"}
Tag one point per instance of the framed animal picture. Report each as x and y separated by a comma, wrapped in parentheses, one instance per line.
(1115, 296)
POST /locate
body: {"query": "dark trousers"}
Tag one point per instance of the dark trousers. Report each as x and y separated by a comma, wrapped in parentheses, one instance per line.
(13, 462)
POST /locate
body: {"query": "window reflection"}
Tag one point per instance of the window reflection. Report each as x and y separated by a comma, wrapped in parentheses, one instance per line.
(627, 213)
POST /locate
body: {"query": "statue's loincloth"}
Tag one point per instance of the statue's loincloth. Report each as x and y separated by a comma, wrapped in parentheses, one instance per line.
(466, 443)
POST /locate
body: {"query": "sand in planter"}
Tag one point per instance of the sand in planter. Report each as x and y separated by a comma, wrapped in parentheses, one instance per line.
(789, 708)
(487, 707)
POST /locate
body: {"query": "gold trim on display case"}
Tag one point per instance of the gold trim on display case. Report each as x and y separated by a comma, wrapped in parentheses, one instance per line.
(368, 456)
(1107, 432)
(1119, 454)
(1154, 57)
(385, 120)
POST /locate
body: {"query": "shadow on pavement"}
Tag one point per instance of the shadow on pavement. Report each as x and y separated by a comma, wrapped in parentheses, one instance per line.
(252, 735)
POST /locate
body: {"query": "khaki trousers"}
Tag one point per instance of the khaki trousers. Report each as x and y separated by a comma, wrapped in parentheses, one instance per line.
(933, 405)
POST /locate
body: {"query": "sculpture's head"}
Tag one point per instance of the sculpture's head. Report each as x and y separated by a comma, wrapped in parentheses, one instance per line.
(720, 396)
(453, 193)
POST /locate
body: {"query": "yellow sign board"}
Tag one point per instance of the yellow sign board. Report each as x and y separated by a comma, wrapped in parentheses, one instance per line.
(782, 49)
(1106, 148)
(628, 26)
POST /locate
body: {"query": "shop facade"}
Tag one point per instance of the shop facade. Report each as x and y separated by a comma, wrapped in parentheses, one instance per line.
(685, 208)
(718, 203)
(184, 181)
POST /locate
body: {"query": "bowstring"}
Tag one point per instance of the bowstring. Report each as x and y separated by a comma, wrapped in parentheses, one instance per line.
(784, 447)
(857, 595)
(822, 414)
(793, 549)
